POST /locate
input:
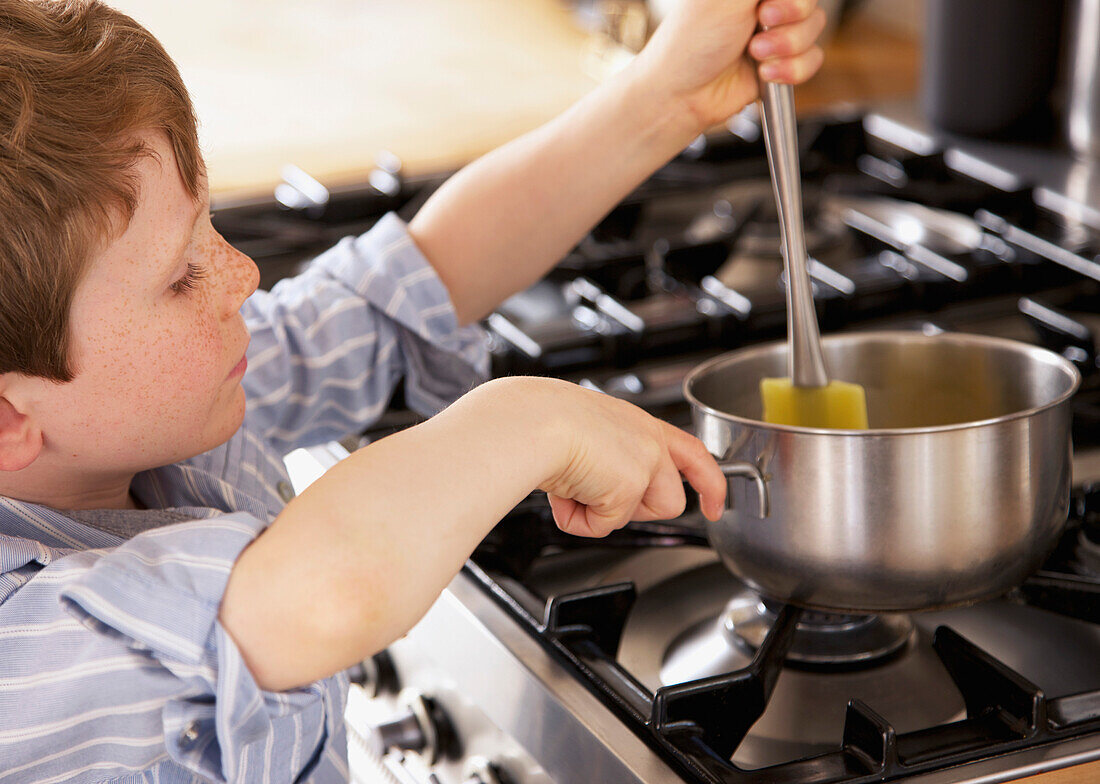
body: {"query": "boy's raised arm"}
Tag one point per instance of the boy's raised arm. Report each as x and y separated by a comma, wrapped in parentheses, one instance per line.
(499, 224)
(352, 563)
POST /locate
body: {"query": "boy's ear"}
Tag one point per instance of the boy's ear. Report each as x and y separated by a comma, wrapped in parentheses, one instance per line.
(20, 437)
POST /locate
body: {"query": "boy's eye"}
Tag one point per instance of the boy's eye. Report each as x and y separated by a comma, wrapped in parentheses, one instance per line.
(190, 278)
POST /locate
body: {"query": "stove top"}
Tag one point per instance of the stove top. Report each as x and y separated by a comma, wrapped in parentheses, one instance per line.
(695, 678)
(707, 671)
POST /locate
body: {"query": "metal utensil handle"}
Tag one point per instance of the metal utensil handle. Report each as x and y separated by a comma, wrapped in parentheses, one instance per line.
(805, 362)
(748, 470)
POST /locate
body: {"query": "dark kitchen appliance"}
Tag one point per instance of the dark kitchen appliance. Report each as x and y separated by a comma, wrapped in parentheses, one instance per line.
(990, 65)
(640, 658)
(1082, 67)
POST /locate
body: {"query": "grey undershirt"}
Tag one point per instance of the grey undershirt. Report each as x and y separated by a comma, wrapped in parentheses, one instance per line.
(127, 522)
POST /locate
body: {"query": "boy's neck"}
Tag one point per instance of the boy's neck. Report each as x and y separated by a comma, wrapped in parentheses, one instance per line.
(75, 493)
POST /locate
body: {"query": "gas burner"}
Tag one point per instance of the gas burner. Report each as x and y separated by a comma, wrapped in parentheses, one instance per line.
(756, 261)
(714, 213)
(822, 641)
(825, 231)
(677, 632)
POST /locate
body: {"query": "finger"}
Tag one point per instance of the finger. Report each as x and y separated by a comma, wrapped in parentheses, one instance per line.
(562, 509)
(664, 498)
(569, 515)
(792, 70)
(788, 40)
(598, 518)
(779, 12)
(700, 469)
(601, 520)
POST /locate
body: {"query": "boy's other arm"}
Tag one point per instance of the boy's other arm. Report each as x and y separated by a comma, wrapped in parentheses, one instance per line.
(500, 223)
(353, 562)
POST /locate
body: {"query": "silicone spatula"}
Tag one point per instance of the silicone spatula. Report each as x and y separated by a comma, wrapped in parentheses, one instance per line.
(807, 398)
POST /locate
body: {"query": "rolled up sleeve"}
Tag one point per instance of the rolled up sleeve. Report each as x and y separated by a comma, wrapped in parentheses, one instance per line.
(149, 661)
(330, 345)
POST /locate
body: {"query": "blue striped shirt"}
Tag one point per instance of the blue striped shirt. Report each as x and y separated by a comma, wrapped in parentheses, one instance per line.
(113, 665)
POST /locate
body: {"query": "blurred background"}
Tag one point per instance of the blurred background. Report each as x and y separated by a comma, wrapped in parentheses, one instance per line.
(329, 84)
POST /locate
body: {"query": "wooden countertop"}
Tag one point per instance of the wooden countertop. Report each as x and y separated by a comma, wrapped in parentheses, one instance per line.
(328, 84)
(864, 64)
(1079, 774)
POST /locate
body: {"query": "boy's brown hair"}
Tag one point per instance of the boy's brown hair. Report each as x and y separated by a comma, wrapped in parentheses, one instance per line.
(78, 82)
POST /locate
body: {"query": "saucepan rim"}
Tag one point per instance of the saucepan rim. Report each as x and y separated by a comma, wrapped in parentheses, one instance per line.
(747, 354)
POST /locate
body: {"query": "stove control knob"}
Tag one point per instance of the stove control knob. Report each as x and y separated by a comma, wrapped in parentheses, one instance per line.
(479, 770)
(376, 675)
(401, 732)
(422, 726)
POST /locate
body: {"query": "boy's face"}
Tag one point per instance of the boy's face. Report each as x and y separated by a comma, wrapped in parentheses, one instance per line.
(158, 341)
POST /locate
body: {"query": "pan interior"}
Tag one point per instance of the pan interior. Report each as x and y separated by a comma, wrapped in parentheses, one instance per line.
(911, 379)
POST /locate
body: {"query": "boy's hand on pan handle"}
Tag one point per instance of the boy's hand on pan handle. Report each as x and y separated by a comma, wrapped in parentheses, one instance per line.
(617, 463)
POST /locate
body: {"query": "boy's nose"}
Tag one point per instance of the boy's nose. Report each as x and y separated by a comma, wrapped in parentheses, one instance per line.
(242, 276)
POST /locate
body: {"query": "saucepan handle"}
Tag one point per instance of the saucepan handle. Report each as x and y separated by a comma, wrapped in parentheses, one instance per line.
(748, 470)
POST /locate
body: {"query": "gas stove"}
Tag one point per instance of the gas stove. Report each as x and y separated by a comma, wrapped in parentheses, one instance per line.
(639, 658)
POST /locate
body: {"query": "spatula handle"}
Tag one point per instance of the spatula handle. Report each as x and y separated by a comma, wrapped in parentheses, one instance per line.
(805, 362)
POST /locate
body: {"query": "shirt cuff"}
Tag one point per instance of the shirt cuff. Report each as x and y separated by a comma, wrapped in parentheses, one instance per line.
(386, 268)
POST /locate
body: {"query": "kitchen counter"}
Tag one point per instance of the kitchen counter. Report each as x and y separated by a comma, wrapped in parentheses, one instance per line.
(1081, 774)
(327, 85)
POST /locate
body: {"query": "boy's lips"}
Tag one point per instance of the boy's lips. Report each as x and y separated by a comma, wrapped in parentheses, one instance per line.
(239, 368)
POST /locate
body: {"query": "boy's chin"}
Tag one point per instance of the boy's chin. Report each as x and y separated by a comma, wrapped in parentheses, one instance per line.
(220, 431)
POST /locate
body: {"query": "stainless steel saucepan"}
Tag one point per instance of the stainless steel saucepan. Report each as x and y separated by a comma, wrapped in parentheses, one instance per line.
(958, 491)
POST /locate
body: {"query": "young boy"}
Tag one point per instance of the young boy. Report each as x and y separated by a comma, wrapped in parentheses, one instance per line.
(165, 615)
